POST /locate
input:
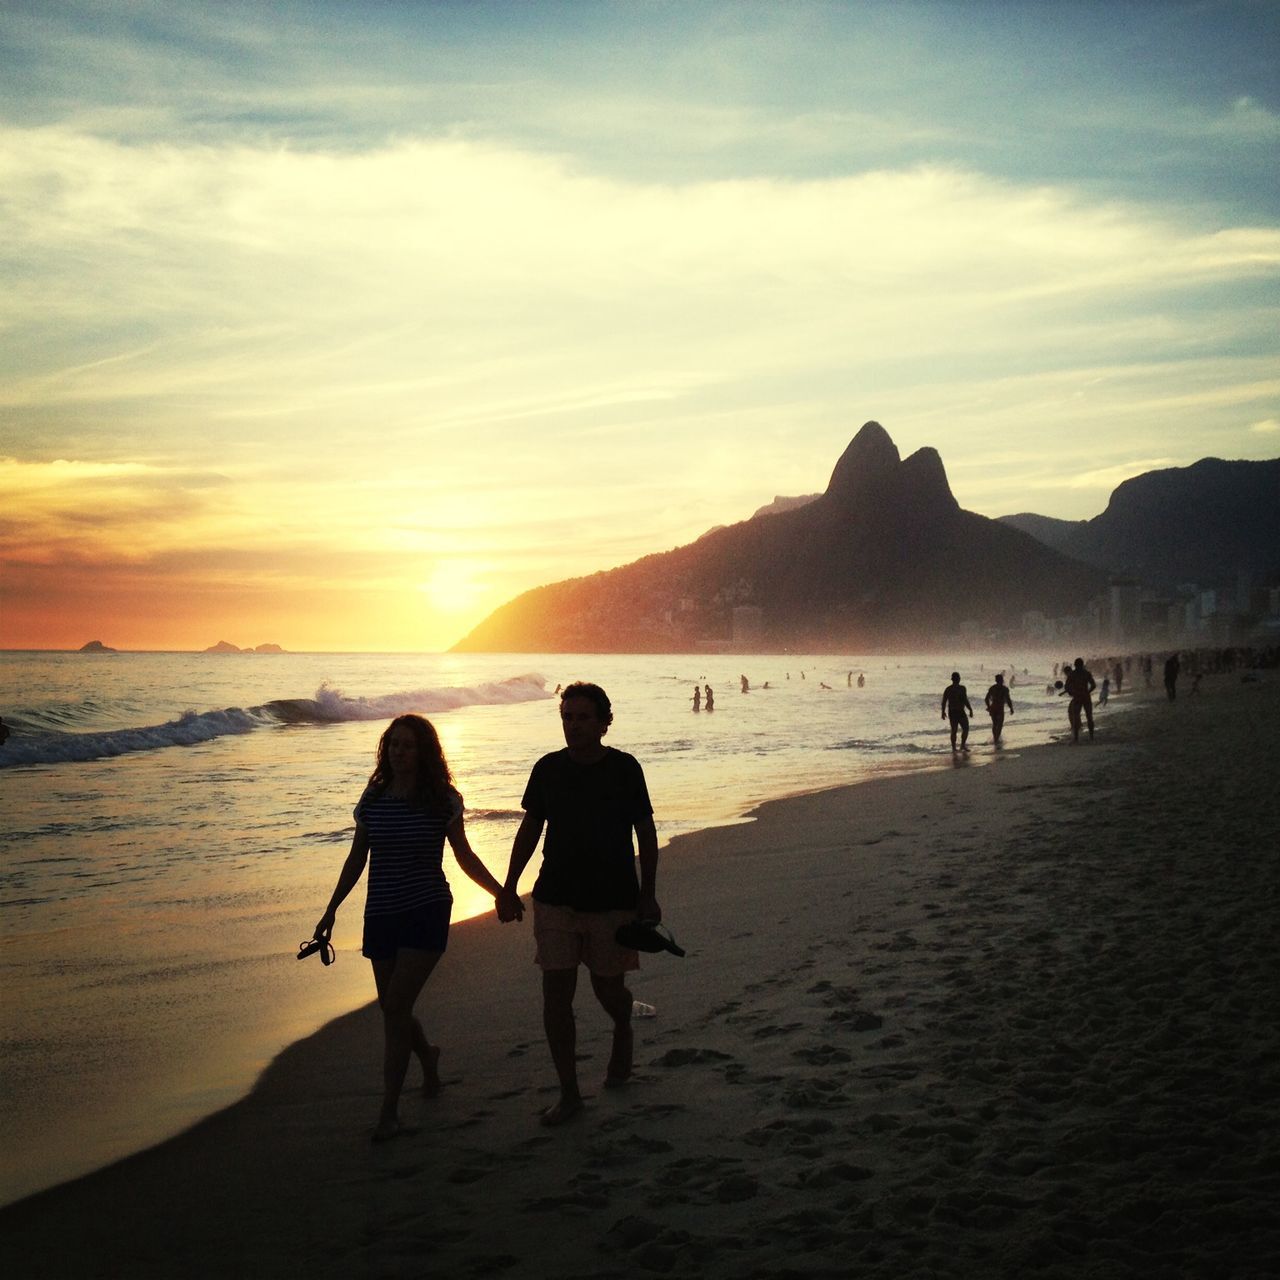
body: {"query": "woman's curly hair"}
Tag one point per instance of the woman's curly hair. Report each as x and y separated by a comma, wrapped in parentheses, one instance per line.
(433, 786)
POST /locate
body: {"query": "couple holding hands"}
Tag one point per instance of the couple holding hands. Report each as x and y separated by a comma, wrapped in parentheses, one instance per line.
(589, 798)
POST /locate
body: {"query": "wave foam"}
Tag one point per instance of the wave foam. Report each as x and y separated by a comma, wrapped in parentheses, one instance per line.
(329, 706)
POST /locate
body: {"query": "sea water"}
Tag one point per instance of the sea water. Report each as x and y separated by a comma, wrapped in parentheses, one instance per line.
(173, 825)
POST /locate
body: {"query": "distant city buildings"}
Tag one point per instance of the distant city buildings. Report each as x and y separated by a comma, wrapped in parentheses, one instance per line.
(1131, 616)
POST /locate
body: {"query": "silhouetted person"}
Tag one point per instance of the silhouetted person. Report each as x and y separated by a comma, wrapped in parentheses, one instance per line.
(697, 698)
(998, 698)
(1117, 674)
(1105, 692)
(710, 696)
(590, 798)
(1079, 686)
(746, 684)
(406, 813)
(862, 680)
(955, 705)
(1171, 668)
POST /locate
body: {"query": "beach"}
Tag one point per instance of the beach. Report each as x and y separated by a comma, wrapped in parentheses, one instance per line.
(1001, 1021)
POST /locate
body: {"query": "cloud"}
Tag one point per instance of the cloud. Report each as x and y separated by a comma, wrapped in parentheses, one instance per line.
(1266, 427)
(565, 369)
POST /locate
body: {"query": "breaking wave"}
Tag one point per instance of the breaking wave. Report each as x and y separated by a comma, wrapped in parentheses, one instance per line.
(35, 743)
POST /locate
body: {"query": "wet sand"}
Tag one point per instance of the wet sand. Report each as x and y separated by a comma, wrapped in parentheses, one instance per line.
(1008, 1020)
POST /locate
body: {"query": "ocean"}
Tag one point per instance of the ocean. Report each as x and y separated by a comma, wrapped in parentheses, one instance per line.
(174, 824)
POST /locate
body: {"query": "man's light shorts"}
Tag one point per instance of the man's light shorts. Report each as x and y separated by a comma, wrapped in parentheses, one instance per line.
(567, 938)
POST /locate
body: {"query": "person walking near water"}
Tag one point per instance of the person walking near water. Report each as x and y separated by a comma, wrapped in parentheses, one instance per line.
(1171, 668)
(998, 698)
(1079, 686)
(408, 810)
(590, 798)
(956, 708)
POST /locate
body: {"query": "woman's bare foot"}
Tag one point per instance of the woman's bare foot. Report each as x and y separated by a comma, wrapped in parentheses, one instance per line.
(431, 1072)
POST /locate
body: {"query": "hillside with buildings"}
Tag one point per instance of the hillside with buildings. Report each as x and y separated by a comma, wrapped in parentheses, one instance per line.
(884, 558)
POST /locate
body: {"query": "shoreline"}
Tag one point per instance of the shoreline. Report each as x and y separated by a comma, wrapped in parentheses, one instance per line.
(851, 1065)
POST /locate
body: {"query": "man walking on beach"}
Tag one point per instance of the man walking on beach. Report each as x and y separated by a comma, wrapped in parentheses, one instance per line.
(590, 798)
(1079, 686)
(998, 698)
(956, 708)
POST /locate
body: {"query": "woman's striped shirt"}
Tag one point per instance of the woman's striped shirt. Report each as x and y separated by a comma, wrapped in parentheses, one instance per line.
(406, 853)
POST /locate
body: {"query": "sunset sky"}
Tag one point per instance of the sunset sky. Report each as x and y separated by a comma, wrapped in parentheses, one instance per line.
(336, 324)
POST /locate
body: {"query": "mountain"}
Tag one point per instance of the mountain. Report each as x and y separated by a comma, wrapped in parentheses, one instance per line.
(96, 646)
(885, 556)
(1047, 529)
(1205, 523)
(780, 504)
(224, 646)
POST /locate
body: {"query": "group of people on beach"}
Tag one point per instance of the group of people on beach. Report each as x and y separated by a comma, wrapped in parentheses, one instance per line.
(590, 799)
(957, 709)
(1078, 684)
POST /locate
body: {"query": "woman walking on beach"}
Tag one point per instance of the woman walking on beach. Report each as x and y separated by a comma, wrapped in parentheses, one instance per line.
(406, 813)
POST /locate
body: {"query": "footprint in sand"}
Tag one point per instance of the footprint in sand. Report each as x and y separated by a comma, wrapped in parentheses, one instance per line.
(823, 1055)
(691, 1057)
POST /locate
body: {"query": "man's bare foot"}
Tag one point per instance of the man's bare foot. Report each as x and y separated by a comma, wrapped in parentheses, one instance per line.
(431, 1072)
(388, 1129)
(561, 1111)
(619, 1069)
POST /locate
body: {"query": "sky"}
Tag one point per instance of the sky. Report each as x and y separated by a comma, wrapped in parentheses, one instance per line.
(337, 324)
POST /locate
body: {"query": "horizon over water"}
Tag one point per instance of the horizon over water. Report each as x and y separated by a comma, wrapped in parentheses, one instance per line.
(176, 823)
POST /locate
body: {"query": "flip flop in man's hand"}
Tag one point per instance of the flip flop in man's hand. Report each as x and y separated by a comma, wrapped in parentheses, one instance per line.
(647, 935)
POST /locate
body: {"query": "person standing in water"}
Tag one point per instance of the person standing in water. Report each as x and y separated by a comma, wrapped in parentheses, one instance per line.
(408, 810)
(590, 798)
(1079, 686)
(710, 698)
(697, 698)
(998, 698)
(956, 708)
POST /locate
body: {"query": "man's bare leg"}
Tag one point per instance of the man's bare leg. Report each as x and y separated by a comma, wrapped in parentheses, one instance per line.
(615, 998)
(558, 987)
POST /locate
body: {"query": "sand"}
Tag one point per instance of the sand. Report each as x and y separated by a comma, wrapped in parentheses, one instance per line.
(1012, 1020)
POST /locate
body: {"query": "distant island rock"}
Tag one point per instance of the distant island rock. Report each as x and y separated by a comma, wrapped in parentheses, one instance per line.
(225, 646)
(96, 646)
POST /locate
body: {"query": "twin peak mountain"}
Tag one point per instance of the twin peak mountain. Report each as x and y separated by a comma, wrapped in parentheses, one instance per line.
(885, 557)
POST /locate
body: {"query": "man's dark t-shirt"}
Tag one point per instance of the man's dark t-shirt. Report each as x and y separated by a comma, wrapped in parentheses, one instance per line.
(588, 860)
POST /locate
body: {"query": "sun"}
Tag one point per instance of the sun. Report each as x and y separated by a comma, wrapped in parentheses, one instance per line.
(455, 586)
